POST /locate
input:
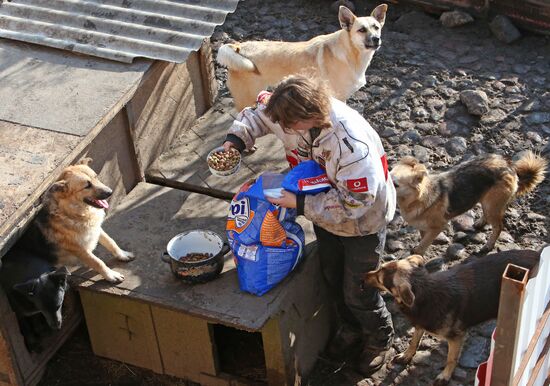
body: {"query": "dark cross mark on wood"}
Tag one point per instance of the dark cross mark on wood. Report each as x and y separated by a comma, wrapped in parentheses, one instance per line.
(127, 327)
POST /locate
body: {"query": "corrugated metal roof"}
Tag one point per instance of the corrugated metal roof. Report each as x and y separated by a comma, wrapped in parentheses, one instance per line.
(115, 29)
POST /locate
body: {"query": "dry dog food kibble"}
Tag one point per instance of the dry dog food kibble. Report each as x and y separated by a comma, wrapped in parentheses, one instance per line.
(224, 160)
(195, 257)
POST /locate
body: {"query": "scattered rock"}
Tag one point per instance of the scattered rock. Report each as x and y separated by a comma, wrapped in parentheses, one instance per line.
(455, 18)
(456, 146)
(413, 20)
(486, 329)
(475, 351)
(536, 118)
(476, 101)
(459, 236)
(464, 222)
(455, 251)
(460, 374)
(411, 136)
(395, 245)
(504, 30)
(432, 141)
(389, 132)
(441, 239)
(535, 216)
(421, 153)
(479, 238)
(335, 6)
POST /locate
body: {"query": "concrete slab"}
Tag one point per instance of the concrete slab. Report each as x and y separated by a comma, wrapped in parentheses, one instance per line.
(37, 81)
(144, 222)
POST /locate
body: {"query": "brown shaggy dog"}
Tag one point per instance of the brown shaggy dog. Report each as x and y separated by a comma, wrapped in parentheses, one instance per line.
(428, 202)
(69, 224)
(447, 303)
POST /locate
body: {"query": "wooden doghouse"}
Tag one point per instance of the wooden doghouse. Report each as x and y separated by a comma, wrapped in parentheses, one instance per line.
(210, 333)
(63, 106)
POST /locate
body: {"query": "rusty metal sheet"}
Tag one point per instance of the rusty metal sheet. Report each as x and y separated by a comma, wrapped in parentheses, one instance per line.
(115, 29)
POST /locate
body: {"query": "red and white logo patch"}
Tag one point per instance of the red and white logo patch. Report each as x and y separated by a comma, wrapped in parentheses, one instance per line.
(359, 185)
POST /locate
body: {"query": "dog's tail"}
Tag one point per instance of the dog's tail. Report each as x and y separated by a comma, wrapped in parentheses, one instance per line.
(530, 169)
(229, 56)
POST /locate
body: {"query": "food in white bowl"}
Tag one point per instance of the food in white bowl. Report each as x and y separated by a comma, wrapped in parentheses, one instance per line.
(223, 162)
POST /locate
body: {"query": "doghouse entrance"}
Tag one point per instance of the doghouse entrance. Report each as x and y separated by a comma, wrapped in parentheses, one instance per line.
(240, 353)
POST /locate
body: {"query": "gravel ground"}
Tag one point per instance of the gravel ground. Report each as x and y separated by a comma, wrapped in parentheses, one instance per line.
(443, 95)
(413, 99)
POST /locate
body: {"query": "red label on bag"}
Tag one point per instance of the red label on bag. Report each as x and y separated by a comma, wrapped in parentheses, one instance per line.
(359, 185)
(312, 183)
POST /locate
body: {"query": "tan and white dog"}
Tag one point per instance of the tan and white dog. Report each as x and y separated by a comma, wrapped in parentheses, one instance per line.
(340, 58)
(69, 224)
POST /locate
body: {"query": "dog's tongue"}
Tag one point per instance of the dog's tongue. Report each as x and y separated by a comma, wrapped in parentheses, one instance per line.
(103, 203)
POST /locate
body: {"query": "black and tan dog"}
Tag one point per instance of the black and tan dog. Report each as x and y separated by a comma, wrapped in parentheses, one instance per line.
(428, 202)
(447, 303)
(69, 224)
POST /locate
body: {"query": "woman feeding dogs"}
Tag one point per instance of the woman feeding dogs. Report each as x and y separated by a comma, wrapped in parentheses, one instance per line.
(350, 219)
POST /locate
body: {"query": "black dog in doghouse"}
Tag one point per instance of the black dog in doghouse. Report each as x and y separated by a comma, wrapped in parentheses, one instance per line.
(35, 290)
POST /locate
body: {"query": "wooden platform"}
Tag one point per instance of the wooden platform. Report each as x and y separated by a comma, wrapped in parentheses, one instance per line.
(147, 319)
(186, 159)
(58, 107)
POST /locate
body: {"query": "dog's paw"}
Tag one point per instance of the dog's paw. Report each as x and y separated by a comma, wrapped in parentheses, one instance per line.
(441, 380)
(402, 358)
(114, 276)
(125, 256)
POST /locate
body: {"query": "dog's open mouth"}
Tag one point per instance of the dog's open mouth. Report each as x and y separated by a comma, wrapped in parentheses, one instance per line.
(372, 46)
(101, 204)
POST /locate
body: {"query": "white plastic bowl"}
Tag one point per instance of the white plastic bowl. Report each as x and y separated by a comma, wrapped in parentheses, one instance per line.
(222, 173)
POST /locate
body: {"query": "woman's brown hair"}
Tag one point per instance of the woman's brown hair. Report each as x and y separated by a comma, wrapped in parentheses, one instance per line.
(297, 98)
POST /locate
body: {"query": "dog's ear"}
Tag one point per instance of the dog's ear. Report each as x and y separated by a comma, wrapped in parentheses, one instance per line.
(416, 260)
(27, 288)
(420, 172)
(408, 160)
(405, 294)
(59, 187)
(346, 18)
(85, 161)
(59, 276)
(379, 13)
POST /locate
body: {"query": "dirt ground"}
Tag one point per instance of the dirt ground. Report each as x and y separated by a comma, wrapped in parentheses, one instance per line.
(412, 98)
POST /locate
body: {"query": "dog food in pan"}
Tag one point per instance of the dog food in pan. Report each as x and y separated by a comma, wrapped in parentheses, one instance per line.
(190, 257)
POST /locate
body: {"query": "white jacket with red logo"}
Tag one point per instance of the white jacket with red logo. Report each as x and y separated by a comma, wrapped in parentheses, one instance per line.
(362, 198)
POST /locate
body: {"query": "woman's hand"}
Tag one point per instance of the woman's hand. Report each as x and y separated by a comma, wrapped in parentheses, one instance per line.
(288, 200)
(228, 145)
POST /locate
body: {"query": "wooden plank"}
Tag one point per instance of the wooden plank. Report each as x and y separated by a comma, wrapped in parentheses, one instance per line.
(121, 329)
(535, 340)
(185, 344)
(20, 217)
(185, 161)
(507, 329)
(59, 91)
(23, 168)
(275, 354)
(144, 222)
(208, 72)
